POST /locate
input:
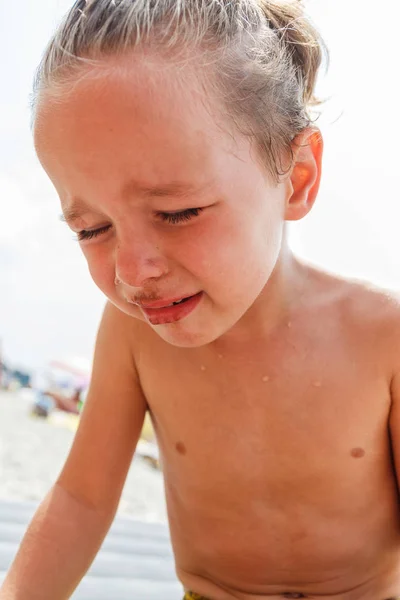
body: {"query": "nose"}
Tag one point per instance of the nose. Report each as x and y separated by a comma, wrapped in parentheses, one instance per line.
(138, 261)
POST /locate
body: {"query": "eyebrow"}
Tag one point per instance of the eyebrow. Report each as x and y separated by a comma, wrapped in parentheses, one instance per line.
(176, 188)
(73, 212)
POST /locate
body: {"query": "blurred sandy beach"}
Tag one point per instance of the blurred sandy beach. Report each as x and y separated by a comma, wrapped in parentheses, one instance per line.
(32, 452)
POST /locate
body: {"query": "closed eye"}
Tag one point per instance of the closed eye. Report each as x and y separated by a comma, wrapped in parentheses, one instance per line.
(180, 217)
(172, 218)
(89, 234)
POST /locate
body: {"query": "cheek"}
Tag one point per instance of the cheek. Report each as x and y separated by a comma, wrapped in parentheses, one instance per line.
(211, 254)
(240, 241)
(240, 254)
(195, 249)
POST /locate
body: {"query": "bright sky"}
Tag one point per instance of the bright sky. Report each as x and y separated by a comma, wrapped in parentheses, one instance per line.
(49, 308)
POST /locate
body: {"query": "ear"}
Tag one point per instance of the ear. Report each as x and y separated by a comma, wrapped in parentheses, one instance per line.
(305, 174)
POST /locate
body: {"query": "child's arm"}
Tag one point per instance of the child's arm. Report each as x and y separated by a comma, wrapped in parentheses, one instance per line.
(394, 423)
(71, 523)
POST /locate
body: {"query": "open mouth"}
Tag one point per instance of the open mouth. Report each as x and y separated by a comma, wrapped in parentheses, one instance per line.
(181, 301)
(175, 311)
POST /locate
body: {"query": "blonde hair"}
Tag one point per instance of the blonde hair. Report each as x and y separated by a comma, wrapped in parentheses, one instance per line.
(263, 56)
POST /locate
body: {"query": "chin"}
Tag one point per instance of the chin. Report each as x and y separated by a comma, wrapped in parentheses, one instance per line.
(182, 338)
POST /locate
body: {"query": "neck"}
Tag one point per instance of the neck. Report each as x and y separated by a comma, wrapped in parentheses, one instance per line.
(275, 304)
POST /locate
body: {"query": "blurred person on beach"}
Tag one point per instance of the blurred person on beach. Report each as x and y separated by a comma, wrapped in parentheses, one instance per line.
(62, 393)
(179, 138)
(49, 400)
(70, 404)
(43, 403)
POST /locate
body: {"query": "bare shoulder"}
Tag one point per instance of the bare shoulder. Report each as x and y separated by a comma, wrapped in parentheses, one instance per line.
(373, 303)
(359, 299)
(363, 309)
(374, 307)
(116, 322)
(112, 351)
(119, 333)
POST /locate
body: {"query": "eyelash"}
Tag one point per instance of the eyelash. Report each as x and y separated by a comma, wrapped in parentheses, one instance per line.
(90, 234)
(179, 217)
(171, 218)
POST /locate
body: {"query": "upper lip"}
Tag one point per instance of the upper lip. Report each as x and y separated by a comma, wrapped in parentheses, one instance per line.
(161, 303)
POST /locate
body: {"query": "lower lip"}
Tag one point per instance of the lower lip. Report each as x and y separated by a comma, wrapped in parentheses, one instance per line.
(171, 314)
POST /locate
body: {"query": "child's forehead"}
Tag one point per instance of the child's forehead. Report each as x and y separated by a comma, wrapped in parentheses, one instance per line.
(141, 83)
(109, 130)
(117, 111)
(138, 95)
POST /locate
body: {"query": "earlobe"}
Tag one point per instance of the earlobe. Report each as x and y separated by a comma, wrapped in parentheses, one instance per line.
(305, 174)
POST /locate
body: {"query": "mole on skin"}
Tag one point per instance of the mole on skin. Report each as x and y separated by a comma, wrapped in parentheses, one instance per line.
(181, 448)
(358, 452)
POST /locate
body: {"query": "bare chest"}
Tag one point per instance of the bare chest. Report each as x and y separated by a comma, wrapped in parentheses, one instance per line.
(282, 450)
(284, 415)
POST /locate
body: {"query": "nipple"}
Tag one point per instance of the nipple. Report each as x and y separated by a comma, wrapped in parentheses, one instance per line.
(180, 447)
(358, 453)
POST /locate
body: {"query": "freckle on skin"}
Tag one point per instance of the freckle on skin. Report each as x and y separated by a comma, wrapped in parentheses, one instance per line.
(180, 447)
(357, 452)
(202, 368)
(265, 378)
